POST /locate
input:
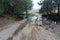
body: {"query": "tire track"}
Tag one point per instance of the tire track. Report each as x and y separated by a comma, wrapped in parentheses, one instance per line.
(19, 28)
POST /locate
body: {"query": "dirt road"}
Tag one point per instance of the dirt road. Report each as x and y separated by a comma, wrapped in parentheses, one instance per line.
(43, 34)
(5, 34)
(29, 32)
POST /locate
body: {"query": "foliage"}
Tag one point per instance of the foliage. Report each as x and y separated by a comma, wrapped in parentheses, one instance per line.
(14, 7)
(50, 5)
(31, 14)
(46, 6)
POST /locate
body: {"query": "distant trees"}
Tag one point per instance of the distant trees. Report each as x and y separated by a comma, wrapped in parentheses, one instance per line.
(14, 7)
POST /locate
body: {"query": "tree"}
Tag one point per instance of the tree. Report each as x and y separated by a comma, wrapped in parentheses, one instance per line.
(46, 6)
(57, 2)
(14, 7)
(50, 5)
(27, 5)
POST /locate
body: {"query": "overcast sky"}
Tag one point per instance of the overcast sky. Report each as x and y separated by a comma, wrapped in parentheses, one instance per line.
(35, 4)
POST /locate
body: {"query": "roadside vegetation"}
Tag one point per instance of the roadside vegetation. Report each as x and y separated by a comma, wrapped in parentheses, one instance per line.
(31, 14)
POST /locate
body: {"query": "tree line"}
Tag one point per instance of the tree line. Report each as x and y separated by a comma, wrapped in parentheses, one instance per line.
(15, 7)
(51, 9)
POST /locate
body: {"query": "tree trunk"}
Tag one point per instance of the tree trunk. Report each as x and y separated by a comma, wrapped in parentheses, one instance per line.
(54, 10)
(50, 11)
(58, 8)
(26, 11)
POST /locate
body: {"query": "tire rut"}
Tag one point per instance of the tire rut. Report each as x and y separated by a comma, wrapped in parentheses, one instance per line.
(19, 28)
